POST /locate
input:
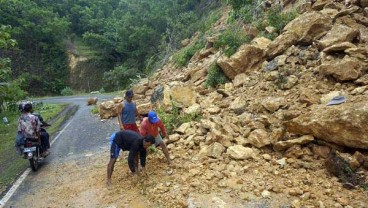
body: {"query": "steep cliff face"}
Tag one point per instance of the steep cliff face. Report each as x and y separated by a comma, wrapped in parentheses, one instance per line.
(86, 70)
(85, 74)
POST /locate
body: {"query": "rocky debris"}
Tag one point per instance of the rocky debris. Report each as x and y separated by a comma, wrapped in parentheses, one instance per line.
(274, 104)
(339, 167)
(246, 59)
(108, 110)
(92, 101)
(283, 145)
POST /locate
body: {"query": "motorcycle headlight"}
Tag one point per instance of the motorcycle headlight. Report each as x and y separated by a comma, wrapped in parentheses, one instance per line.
(30, 154)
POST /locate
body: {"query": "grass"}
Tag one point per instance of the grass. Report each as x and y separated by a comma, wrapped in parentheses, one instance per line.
(83, 49)
(95, 109)
(231, 39)
(11, 164)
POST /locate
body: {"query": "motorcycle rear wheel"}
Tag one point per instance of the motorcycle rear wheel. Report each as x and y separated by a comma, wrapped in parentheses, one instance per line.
(34, 163)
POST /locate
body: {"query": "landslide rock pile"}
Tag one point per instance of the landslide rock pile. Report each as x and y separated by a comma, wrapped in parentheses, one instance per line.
(266, 134)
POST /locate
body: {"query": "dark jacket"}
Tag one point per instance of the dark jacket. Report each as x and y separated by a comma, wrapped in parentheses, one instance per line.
(133, 142)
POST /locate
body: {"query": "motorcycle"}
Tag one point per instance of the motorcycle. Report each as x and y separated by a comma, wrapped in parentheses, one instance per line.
(33, 152)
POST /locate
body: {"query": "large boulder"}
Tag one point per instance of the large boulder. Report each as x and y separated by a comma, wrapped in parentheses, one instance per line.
(343, 124)
(108, 109)
(183, 96)
(92, 101)
(309, 26)
(246, 59)
(304, 29)
(239, 152)
(261, 42)
(342, 69)
(144, 108)
(338, 34)
(281, 44)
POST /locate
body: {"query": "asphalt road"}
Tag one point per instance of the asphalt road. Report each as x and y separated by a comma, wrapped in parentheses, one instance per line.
(83, 134)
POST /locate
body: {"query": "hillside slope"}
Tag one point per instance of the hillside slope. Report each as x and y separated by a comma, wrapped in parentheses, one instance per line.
(268, 137)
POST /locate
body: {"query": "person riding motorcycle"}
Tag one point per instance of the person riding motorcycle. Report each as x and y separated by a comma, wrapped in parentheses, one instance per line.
(29, 125)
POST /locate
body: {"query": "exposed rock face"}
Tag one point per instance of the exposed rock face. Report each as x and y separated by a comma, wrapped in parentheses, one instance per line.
(246, 59)
(344, 124)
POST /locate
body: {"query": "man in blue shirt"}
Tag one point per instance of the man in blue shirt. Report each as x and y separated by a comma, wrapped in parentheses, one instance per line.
(127, 112)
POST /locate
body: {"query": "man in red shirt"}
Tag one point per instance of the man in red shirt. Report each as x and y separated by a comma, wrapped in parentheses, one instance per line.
(151, 126)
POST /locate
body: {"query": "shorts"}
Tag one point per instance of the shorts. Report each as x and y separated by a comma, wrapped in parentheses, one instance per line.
(114, 150)
(158, 140)
(132, 127)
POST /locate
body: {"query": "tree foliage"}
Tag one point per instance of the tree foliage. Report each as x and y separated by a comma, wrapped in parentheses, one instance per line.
(128, 34)
(9, 89)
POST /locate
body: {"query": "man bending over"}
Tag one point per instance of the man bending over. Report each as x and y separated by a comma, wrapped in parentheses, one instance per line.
(134, 143)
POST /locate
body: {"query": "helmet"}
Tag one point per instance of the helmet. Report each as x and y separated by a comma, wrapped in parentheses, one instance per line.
(27, 106)
(152, 117)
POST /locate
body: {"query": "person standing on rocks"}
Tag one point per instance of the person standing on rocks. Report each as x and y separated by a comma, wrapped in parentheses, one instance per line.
(131, 141)
(151, 126)
(127, 112)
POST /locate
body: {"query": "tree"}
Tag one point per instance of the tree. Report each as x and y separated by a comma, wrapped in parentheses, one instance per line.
(9, 90)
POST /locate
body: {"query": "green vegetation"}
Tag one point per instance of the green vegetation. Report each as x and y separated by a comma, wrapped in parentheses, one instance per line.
(12, 164)
(67, 91)
(183, 56)
(175, 118)
(251, 12)
(231, 39)
(215, 76)
(122, 39)
(95, 109)
(10, 90)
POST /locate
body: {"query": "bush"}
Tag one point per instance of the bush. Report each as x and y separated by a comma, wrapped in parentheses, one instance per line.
(279, 20)
(175, 118)
(231, 39)
(215, 76)
(95, 110)
(67, 91)
(183, 56)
